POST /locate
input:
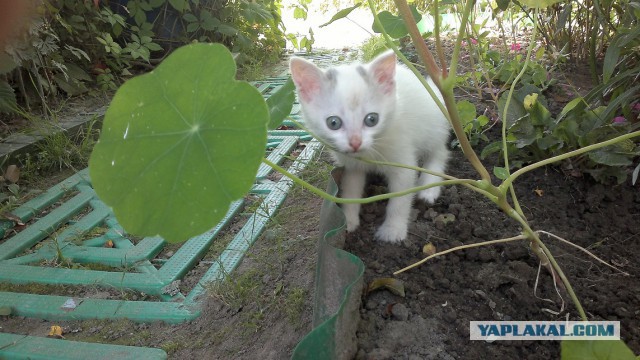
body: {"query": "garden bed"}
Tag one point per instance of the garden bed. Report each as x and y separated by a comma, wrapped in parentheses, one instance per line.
(499, 282)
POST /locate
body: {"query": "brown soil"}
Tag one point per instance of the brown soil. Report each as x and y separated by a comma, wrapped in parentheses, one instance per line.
(498, 282)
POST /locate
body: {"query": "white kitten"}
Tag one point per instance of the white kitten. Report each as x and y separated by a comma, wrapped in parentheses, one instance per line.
(380, 111)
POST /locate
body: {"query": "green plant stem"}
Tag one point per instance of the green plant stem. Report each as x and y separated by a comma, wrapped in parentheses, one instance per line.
(461, 247)
(366, 200)
(406, 61)
(433, 70)
(449, 83)
(505, 112)
(436, 35)
(471, 184)
(509, 180)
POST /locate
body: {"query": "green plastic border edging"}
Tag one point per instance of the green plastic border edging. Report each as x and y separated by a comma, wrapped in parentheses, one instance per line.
(339, 284)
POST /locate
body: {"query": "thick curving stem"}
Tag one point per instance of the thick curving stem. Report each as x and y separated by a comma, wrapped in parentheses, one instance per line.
(447, 91)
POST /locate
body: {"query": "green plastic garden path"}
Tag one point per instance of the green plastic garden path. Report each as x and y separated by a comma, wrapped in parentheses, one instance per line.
(58, 220)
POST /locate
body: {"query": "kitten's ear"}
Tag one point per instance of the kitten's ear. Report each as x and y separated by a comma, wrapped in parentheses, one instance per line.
(307, 77)
(383, 70)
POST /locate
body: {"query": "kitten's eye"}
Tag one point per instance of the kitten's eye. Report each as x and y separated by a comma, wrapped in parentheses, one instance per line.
(334, 122)
(371, 119)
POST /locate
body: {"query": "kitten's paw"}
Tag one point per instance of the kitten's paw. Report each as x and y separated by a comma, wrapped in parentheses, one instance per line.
(392, 233)
(352, 225)
(430, 195)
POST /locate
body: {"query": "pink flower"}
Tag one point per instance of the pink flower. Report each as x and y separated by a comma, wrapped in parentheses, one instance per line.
(636, 107)
(619, 119)
(515, 47)
(471, 41)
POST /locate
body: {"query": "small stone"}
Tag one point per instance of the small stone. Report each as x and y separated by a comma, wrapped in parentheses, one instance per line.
(455, 209)
(413, 216)
(371, 304)
(430, 214)
(450, 315)
(400, 312)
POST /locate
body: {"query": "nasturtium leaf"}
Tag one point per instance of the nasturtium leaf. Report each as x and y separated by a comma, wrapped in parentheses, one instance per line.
(341, 14)
(179, 144)
(595, 350)
(394, 25)
(280, 103)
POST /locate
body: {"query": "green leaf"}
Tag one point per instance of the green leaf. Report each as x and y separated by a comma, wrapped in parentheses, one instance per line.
(190, 17)
(610, 61)
(490, 149)
(341, 14)
(467, 111)
(539, 3)
(595, 350)
(634, 176)
(608, 156)
(179, 5)
(179, 144)
(500, 172)
(394, 25)
(570, 106)
(280, 103)
(8, 102)
(300, 13)
(503, 4)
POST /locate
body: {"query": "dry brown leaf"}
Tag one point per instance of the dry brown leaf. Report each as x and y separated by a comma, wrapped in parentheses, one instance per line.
(392, 284)
(56, 332)
(108, 244)
(12, 174)
(10, 216)
(539, 192)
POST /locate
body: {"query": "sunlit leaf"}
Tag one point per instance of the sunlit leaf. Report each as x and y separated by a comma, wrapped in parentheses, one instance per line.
(179, 144)
(280, 103)
(341, 14)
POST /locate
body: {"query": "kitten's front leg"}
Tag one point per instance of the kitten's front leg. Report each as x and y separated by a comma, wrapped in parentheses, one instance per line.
(437, 162)
(353, 182)
(394, 227)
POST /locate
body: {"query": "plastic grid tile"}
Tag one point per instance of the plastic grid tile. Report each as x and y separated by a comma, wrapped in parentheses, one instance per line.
(58, 232)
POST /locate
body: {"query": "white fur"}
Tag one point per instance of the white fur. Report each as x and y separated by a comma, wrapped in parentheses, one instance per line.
(411, 130)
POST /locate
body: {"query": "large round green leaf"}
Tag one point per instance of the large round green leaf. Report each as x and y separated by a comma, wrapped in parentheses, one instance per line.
(179, 144)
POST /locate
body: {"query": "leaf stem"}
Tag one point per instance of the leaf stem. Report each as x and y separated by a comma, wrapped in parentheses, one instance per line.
(447, 91)
(508, 181)
(327, 196)
(461, 247)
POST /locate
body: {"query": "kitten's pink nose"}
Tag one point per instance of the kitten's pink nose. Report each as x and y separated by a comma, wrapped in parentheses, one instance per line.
(355, 142)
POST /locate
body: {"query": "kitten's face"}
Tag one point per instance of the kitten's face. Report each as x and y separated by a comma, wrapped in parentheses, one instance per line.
(348, 107)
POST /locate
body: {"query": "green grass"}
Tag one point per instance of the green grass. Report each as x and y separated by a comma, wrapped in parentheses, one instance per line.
(372, 47)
